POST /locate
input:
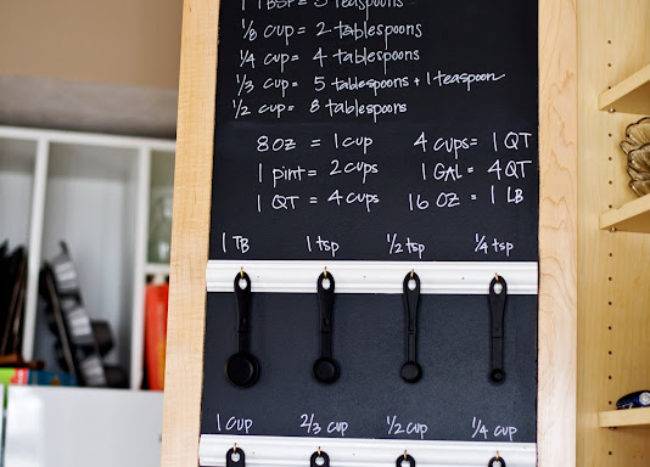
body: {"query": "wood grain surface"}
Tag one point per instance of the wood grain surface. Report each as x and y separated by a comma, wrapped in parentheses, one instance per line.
(614, 322)
(190, 233)
(558, 89)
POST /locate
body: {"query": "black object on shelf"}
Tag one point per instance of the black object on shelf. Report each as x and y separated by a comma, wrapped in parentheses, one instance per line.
(56, 323)
(243, 368)
(103, 336)
(235, 457)
(326, 369)
(634, 400)
(319, 459)
(6, 281)
(13, 281)
(497, 300)
(411, 371)
(81, 343)
(116, 377)
(497, 461)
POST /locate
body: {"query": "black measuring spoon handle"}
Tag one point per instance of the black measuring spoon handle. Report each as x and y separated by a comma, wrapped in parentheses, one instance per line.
(326, 297)
(235, 457)
(326, 370)
(497, 301)
(319, 459)
(243, 294)
(497, 462)
(405, 459)
(243, 368)
(412, 303)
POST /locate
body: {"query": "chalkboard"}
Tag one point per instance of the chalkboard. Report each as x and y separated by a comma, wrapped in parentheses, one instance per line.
(376, 130)
(453, 401)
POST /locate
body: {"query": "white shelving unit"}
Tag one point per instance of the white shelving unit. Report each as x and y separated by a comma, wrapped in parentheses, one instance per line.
(94, 192)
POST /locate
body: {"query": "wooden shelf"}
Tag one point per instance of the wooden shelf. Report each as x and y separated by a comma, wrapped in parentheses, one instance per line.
(629, 417)
(632, 95)
(633, 216)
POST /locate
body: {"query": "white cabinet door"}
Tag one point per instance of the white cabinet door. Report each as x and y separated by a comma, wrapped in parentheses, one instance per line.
(71, 427)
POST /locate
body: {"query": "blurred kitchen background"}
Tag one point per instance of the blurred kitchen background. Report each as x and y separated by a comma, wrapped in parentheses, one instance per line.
(88, 93)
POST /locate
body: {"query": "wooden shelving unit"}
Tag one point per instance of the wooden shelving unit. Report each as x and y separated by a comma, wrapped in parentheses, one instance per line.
(613, 319)
(622, 418)
(633, 216)
(632, 95)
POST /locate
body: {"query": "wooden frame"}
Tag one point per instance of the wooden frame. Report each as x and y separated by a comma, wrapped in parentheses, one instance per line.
(558, 229)
(558, 233)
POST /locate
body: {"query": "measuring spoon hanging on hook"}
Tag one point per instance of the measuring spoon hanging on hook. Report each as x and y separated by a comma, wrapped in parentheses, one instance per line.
(235, 457)
(243, 368)
(319, 459)
(497, 302)
(411, 371)
(405, 459)
(326, 370)
(497, 461)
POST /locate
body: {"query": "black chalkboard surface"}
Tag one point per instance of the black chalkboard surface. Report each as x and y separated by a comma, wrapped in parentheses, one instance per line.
(454, 400)
(375, 130)
(403, 130)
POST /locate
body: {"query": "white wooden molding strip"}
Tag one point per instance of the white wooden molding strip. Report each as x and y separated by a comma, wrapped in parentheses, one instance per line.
(264, 451)
(374, 277)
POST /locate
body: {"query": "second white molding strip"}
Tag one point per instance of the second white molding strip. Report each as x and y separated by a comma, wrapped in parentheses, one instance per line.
(374, 277)
(264, 451)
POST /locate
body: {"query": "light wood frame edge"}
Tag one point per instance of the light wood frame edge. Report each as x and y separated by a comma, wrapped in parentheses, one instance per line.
(190, 234)
(558, 233)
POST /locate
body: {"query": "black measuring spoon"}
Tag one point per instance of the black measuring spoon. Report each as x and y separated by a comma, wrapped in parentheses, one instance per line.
(411, 370)
(243, 368)
(497, 301)
(326, 369)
